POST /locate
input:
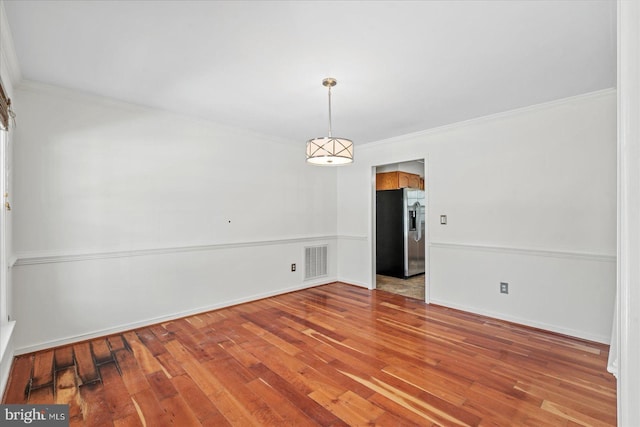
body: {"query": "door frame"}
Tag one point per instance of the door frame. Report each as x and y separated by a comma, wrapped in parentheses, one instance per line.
(427, 242)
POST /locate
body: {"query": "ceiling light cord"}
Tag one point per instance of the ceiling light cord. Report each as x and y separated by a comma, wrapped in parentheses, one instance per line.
(330, 112)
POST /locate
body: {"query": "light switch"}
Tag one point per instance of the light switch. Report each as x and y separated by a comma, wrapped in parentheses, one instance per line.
(443, 219)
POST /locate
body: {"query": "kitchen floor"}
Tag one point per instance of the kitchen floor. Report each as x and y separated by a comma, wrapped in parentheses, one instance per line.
(413, 287)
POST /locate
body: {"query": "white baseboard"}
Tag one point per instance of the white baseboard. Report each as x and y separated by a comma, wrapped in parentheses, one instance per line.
(525, 322)
(167, 318)
(355, 283)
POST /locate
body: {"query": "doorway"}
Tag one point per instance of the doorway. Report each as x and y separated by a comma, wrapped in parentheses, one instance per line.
(400, 243)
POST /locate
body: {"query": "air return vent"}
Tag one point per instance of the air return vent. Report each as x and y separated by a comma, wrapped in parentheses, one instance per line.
(315, 261)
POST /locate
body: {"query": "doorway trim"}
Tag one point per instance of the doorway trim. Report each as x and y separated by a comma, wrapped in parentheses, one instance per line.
(427, 243)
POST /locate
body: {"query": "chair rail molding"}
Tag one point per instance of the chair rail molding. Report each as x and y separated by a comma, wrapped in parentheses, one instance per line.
(526, 251)
(31, 258)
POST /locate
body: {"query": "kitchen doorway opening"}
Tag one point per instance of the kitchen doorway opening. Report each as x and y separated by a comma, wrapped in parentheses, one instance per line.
(400, 243)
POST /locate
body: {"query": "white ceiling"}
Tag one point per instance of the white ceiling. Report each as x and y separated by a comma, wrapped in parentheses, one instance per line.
(401, 66)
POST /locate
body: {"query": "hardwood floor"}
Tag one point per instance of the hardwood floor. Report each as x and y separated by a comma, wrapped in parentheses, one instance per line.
(331, 355)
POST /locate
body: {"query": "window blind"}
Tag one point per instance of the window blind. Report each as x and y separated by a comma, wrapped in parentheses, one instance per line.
(5, 108)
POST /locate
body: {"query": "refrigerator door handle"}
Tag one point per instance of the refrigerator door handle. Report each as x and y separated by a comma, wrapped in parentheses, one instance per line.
(416, 207)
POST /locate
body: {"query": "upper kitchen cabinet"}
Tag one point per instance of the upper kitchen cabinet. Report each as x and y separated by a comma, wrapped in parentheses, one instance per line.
(397, 179)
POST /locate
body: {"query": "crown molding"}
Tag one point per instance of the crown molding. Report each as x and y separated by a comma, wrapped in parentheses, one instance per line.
(492, 117)
(105, 101)
(8, 59)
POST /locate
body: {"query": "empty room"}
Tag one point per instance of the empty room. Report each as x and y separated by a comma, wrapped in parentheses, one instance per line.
(319, 213)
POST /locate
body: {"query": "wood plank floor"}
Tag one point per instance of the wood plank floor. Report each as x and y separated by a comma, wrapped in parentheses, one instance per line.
(331, 355)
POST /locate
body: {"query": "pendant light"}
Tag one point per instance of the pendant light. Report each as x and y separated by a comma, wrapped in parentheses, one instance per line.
(327, 150)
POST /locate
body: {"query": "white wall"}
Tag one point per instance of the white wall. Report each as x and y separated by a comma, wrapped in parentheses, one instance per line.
(415, 167)
(625, 348)
(530, 199)
(122, 215)
(9, 73)
(125, 215)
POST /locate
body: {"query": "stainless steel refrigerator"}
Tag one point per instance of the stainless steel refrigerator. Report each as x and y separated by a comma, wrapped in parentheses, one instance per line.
(400, 232)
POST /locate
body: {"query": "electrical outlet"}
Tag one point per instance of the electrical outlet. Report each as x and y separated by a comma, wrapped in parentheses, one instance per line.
(504, 288)
(293, 267)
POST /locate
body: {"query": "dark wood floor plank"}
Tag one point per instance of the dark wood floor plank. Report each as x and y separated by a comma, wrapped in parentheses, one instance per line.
(117, 397)
(216, 316)
(282, 364)
(63, 357)
(189, 337)
(209, 385)
(197, 321)
(84, 362)
(287, 410)
(344, 411)
(202, 407)
(161, 385)
(592, 408)
(150, 341)
(42, 369)
(40, 396)
(398, 410)
(178, 412)
(226, 371)
(330, 355)
(331, 370)
(243, 357)
(147, 362)
(116, 342)
(95, 407)
(132, 375)
(343, 352)
(308, 406)
(19, 382)
(423, 403)
(149, 409)
(101, 351)
(506, 410)
(426, 378)
(128, 421)
(67, 392)
(170, 365)
(271, 338)
(161, 333)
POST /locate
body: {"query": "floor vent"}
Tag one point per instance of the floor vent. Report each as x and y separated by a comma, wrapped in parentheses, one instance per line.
(315, 262)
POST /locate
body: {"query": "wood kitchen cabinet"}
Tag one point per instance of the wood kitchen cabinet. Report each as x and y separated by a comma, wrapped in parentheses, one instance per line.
(395, 180)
